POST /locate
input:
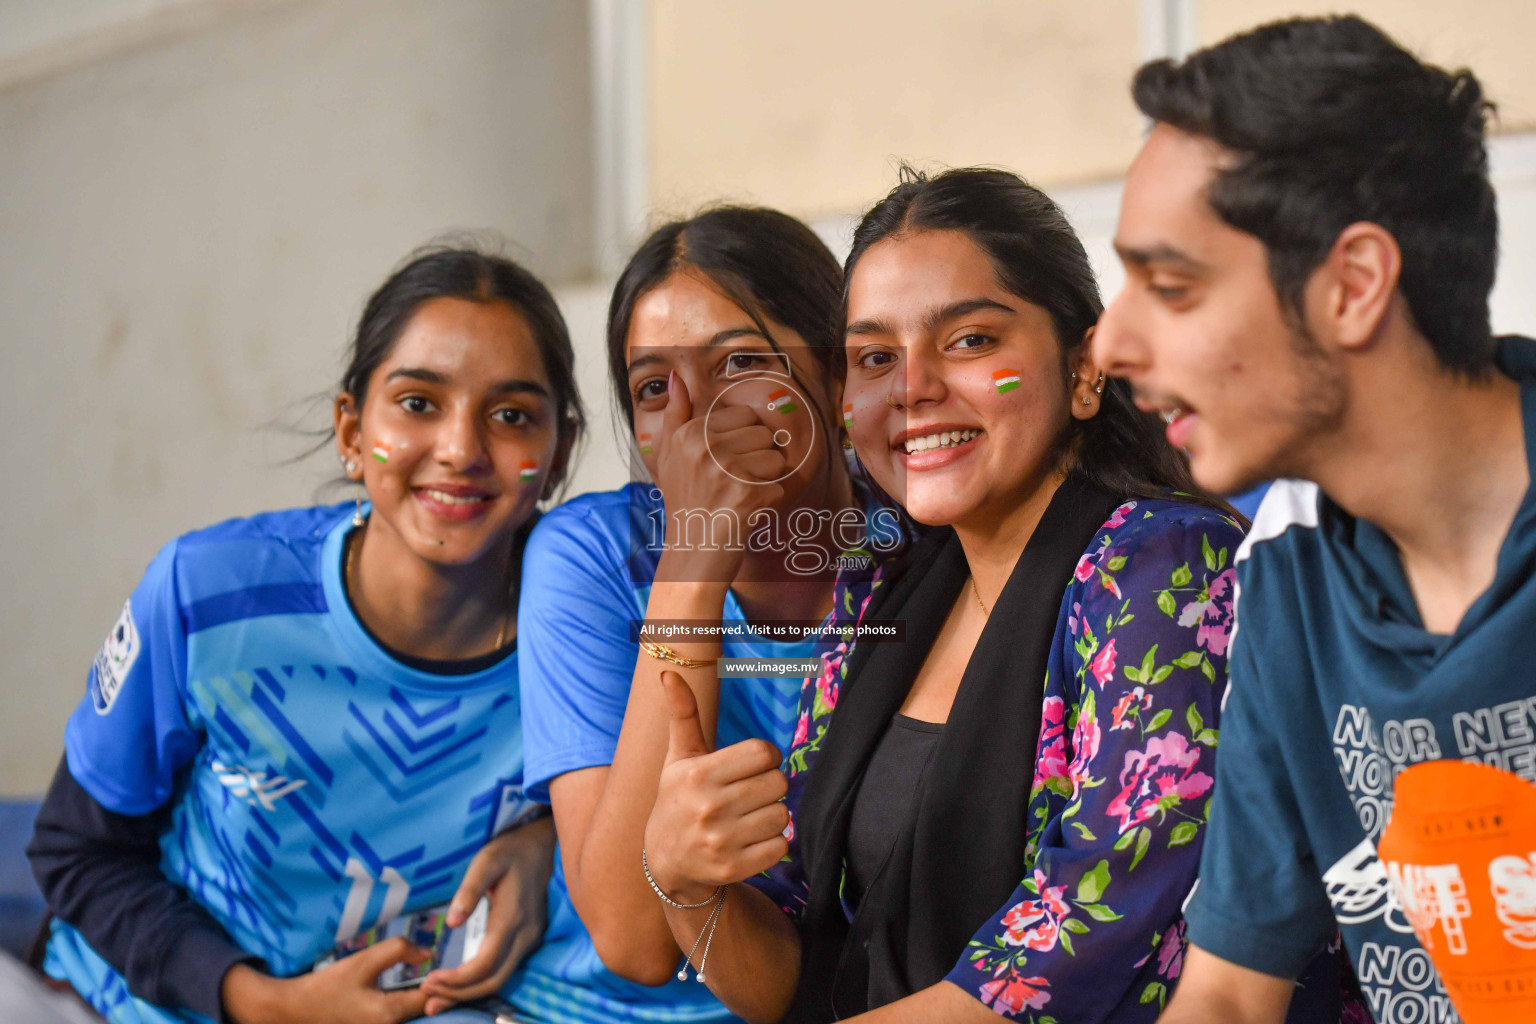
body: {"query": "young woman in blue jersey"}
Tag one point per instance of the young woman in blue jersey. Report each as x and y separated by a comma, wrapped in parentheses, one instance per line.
(1001, 815)
(306, 722)
(725, 360)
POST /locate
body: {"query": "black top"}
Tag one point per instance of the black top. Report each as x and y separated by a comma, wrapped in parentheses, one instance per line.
(886, 796)
(956, 856)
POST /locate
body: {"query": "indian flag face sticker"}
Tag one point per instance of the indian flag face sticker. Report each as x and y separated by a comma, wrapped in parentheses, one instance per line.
(782, 402)
(528, 471)
(645, 444)
(848, 415)
(1006, 380)
(380, 451)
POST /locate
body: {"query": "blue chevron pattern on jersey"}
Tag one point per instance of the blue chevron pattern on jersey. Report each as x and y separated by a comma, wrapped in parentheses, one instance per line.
(586, 574)
(317, 786)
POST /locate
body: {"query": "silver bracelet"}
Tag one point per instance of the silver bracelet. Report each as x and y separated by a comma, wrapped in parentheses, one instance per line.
(668, 900)
(709, 927)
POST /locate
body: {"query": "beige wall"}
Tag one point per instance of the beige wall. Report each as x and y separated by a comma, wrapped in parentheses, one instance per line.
(1492, 37)
(808, 104)
(190, 228)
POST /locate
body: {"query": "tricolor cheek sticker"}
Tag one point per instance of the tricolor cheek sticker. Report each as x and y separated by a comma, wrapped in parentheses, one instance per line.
(645, 444)
(380, 451)
(1006, 380)
(848, 416)
(780, 401)
(528, 471)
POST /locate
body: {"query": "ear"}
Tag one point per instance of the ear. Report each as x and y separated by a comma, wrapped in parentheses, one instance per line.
(1352, 293)
(1087, 388)
(348, 421)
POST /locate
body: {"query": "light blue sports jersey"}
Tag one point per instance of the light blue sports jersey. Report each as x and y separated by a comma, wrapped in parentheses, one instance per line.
(318, 787)
(587, 573)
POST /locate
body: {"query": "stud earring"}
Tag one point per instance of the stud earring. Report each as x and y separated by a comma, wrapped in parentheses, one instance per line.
(1087, 400)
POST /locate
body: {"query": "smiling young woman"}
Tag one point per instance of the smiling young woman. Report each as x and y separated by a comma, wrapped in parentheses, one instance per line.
(1070, 599)
(726, 361)
(304, 723)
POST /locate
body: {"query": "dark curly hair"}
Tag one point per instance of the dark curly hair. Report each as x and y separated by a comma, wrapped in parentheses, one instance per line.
(1333, 123)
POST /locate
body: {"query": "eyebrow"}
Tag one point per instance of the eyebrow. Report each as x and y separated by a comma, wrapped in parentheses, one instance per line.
(934, 317)
(719, 338)
(515, 385)
(1141, 257)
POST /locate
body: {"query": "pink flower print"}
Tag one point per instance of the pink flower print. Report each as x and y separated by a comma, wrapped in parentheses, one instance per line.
(1036, 924)
(1170, 953)
(1123, 707)
(1051, 755)
(789, 830)
(1118, 518)
(1011, 994)
(1085, 747)
(1216, 619)
(1103, 664)
(802, 729)
(1160, 777)
(828, 686)
(1077, 609)
(1084, 567)
(1110, 585)
(1212, 614)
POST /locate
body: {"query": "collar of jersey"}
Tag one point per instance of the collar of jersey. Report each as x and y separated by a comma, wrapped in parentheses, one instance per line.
(368, 655)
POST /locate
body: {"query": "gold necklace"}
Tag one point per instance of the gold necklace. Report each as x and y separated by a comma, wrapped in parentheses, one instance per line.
(984, 609)
(351, 559)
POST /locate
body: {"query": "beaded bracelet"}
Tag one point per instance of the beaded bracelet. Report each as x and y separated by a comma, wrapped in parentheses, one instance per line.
(668, 900)
(666, 653)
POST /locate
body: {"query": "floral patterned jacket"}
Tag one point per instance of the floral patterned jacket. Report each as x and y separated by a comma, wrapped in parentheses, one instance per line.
(1122, 773)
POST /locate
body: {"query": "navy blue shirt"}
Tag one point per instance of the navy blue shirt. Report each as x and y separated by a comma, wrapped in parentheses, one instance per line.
(1335, 687)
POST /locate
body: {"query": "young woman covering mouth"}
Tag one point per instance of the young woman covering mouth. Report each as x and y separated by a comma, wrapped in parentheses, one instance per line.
(1070, 601)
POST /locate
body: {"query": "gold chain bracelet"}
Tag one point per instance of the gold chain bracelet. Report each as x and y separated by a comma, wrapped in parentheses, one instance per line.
(666, 653)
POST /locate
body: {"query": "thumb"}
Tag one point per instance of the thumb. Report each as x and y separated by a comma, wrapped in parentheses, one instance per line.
(686, 736)
(679, 408)
(377, 959)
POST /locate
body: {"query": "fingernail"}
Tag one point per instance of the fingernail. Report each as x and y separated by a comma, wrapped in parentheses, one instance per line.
(671, 376)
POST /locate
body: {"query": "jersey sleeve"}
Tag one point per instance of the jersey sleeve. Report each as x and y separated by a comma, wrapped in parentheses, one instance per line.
(1123, 770)
(130, 734)
(574, 655)
(1260, 902)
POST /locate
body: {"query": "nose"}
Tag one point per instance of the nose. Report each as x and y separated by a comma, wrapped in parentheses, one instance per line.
(461, 442)
(1117, 348)
(919, 382)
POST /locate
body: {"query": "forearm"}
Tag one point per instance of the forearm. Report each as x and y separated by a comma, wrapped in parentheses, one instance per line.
(100, 872)
(942, 1001)
(1213, 989)
(607, 884)
(754, 956)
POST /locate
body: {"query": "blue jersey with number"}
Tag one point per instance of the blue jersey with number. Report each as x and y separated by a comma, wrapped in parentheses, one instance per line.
(317, 786)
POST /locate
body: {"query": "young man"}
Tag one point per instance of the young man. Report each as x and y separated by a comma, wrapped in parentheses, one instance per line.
(1309, 237)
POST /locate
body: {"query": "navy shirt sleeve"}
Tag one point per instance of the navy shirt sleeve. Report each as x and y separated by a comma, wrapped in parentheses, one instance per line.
(1260, 901)
(100, 872)
(574, 655)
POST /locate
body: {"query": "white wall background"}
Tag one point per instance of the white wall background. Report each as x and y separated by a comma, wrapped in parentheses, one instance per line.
(190, 221)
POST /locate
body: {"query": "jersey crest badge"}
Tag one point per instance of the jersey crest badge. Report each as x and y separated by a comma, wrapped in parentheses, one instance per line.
(115, 660)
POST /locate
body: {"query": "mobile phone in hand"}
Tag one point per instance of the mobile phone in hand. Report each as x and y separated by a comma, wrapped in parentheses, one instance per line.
(427, 929)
